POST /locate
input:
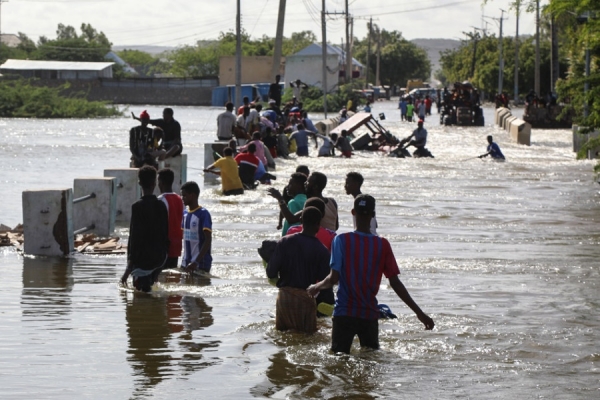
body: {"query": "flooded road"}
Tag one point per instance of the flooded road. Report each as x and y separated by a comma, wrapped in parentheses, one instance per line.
(503, 256)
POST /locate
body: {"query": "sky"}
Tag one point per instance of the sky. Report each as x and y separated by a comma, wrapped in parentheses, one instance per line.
(183, 22)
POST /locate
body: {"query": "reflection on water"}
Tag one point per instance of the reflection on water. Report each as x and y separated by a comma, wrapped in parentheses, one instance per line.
(162, 343)
(47, 283)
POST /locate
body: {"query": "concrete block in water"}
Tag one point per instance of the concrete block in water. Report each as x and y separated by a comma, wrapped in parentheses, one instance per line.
(128, 191)
(507, 121)
(47, 222)
(500, 113)
(178, 165)
(327, 125)
(209, 158)
(99, 211)
(520, 131)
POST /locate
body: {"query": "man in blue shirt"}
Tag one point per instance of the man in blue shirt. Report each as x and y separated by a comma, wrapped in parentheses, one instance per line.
(493, 150)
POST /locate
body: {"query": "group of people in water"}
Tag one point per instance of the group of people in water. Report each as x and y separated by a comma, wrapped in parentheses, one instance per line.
(306, 262)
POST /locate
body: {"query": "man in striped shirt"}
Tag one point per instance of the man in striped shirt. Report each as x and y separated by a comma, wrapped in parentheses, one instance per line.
(197, 231)
(358, 261)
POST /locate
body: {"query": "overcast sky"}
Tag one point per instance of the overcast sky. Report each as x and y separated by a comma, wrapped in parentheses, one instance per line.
(181, 22)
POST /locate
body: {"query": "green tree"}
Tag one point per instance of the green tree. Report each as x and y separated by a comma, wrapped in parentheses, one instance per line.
(400, 59)
(91, 45)
(144, 63)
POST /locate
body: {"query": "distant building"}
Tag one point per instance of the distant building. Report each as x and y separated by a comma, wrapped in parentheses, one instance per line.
(307, 65)
(255, 69)
(10, 40)
(71, 70)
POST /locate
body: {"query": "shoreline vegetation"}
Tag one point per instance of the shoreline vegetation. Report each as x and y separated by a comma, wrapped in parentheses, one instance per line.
(21, 99)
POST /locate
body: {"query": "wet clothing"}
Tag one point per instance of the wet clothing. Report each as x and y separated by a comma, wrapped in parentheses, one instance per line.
(420, 137)
(195, 223)
(299, 260)
(247, 166)
(494, 151)
(172, 131)
(344, 329)
(327, 147)
(230, 177)
(301, 138)
(148, 246)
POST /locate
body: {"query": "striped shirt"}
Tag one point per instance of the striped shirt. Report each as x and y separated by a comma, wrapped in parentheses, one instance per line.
(361, 259)
(195, 222)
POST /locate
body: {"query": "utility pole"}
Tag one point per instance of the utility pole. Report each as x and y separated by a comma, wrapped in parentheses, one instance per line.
(368, 51)
(1, 1)
(348, 74)
(501, 57)
(278, 40)
(516, 88)
(324, 56)
(238, 56)
(377, 82)
(554, 64)
(537, 48)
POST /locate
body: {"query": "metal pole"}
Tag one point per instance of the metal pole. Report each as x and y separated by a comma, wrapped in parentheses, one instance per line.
(84, 198)
(238, 57)
(537, 48)
(324, 56)
(348, 57)
(586, 85)
(368, 52)
(278, 40)
(516, 88)
(378, 57)
(501, 60)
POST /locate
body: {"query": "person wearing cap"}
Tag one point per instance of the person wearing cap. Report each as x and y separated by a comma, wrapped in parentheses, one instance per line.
(141, 142)
(172, 132)
(361, 254)
(493, 150)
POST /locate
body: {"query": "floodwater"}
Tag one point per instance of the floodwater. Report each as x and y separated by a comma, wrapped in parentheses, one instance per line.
(503, 256)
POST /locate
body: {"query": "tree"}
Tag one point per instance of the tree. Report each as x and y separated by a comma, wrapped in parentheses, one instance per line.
(400, 59)
(91, 45)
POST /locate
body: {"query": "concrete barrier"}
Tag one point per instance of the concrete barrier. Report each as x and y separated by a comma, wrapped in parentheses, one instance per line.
(499, 113)
(97, 214)
(580, 139)
(128, 191)
(507, 121)
(48, 222)
(327, 125)
(179, 167)
(520, 131)
(502, 122)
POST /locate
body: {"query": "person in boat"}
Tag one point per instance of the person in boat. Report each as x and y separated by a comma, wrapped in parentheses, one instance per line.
(148, 247)
(225, 123)
(298, 261)
(141, 142)
(197, 231)
(247, 164)
(231, 184)
(174, 205)
(493, 150)
(297, 190)
(360, 253)
(354, 181)
(172, 130)
(343, 143)
(315, 185)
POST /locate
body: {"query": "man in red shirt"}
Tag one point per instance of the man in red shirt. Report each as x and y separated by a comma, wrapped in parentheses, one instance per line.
(175, 212)
(247, 164)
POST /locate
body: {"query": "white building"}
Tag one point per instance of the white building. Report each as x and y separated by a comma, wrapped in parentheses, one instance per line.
(307, 65)
(57, 69)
